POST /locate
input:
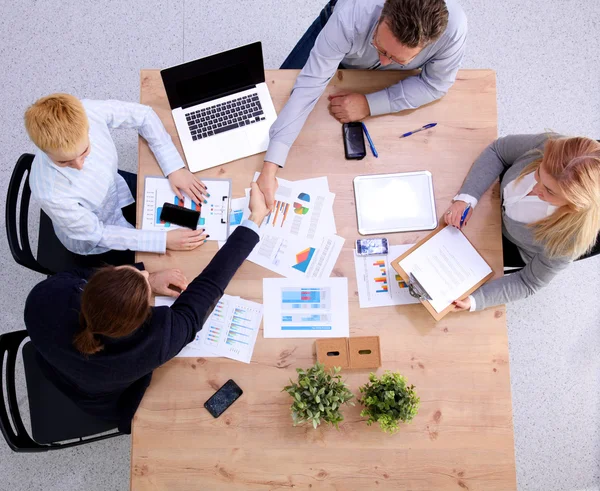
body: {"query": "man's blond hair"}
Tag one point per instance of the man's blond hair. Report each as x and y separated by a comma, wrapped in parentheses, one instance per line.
(56, 122)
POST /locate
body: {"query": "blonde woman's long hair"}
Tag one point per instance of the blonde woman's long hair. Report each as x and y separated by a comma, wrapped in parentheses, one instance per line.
(571, 231)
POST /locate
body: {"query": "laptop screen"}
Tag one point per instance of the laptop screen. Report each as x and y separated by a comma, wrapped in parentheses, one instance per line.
(215, 76)
(212, 85)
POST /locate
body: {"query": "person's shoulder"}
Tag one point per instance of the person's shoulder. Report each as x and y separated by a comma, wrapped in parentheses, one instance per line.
(457, 20)
(358, 11)
(42, 177)
(52, 293)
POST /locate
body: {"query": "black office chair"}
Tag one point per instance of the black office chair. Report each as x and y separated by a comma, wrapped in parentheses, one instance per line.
(52, 255)
(54, 417)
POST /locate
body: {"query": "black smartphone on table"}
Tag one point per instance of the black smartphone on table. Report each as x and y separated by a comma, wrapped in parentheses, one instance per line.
(223, 398)
(354, 141)
(179, 216)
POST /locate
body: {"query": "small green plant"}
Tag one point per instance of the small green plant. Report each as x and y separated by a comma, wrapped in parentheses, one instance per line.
(388, 400)
(318, 396)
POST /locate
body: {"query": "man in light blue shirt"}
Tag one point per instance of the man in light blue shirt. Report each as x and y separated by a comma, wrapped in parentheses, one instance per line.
(75, 176)
(368, 34)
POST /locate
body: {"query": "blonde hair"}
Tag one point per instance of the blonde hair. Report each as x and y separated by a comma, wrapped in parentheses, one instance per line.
(56, 122)
(572, 229)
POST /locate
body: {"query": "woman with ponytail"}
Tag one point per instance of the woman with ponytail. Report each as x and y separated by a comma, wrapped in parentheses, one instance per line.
(98, 336)
(550, 189)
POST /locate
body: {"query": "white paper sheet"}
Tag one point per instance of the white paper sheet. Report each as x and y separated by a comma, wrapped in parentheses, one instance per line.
(236, 215)
(213, 215)
(378, 283)
(295, 258)
(447, 265)
(230, 330)
(306, 308)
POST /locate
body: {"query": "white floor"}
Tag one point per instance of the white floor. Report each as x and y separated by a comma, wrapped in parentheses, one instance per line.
(545, 53)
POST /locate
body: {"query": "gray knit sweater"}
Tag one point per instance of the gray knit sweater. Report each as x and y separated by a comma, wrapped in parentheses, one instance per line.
(512, 154)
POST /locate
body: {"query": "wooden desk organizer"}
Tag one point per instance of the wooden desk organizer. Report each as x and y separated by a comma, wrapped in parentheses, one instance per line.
(358, 352)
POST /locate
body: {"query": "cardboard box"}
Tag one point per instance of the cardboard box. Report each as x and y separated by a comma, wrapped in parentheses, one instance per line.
(357, 352)
(333, 352)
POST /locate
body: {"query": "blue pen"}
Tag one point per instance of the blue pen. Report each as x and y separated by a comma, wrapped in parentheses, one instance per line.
(464, 215)
(426, 127)
(375, 154)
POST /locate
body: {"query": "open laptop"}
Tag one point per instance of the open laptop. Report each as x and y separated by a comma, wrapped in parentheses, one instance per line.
(221, 106)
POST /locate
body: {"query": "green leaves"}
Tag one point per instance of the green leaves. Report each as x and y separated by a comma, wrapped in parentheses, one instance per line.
(388, 401)
(318, 396)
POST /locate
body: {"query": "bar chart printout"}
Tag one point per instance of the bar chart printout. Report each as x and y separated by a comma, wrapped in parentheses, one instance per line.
(230, 330)
(306, 308)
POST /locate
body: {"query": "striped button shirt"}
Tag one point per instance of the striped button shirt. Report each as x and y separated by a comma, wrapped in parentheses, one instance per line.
(85, 205)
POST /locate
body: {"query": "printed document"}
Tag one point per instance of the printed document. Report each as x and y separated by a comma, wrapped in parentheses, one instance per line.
(447, 266)
(378, 283)
(306, 308)
(213, 215)
(230, 330)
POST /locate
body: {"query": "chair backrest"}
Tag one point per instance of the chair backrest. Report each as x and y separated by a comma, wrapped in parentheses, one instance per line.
(16, 435)
(18, 236)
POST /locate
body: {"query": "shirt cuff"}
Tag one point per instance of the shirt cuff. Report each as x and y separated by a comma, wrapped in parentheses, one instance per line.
(168, 163)
(473, 303)
(153, 241)
(251, 225)
(379, 103)
(277, 153)
(467, 198)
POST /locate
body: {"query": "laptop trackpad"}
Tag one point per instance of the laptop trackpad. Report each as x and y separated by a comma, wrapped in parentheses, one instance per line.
(232, 145)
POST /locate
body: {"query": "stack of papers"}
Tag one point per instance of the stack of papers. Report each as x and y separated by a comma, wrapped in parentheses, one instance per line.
(230, 331)
(378, 283)
(298, 239)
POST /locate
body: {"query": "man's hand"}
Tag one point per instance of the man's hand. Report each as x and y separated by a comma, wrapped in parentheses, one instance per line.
(183, 180)
(460, 305)
(267, 182)
(184, 239)
(160, 281)
(348, 107)
(258, 206)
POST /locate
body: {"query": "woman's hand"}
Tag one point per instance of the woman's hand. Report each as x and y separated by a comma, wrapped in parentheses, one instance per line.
(460, 305)
(184, 239)
(182, 180)
(453, 214)
(160, 281)
(258, 205)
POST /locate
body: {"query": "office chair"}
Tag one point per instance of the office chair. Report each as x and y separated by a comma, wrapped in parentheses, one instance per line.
(54, 417)
(52, 255)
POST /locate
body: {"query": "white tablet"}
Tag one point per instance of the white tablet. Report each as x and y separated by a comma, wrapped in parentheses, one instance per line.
(387, 203)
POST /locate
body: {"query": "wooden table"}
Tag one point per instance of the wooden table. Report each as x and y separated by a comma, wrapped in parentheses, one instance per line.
(462, 437)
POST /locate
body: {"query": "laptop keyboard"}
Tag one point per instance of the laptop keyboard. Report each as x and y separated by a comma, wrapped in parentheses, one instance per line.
(225, 116)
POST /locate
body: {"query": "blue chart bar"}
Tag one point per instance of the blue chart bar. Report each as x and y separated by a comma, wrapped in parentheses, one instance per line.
(302, 295)
(306, 328)
(240, 328)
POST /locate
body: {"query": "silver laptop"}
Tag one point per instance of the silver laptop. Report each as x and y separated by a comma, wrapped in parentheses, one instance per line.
(221, 106)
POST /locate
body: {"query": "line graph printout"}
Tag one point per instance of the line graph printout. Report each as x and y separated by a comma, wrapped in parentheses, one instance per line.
(305, 308)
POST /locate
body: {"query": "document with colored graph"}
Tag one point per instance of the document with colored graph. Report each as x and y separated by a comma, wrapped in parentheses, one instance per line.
(214, 215)
(230, 330)
(377, 282)
(306, 308)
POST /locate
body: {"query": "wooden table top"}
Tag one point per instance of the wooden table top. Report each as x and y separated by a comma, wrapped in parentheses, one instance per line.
(462, 437)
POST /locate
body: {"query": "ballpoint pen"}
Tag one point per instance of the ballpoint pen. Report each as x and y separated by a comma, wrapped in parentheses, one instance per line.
(426, 127)
(371, 144)
(464, 215)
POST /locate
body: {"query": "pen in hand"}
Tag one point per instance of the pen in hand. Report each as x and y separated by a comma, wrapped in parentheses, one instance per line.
(463, 217)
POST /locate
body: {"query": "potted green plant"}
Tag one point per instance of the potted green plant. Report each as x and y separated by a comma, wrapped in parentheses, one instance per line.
(318, 396)
(388, 401)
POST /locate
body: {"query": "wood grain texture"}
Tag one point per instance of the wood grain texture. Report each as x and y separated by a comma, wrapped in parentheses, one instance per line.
(462, 438)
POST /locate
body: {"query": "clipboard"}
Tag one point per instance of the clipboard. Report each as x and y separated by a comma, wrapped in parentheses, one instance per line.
(407, 278)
